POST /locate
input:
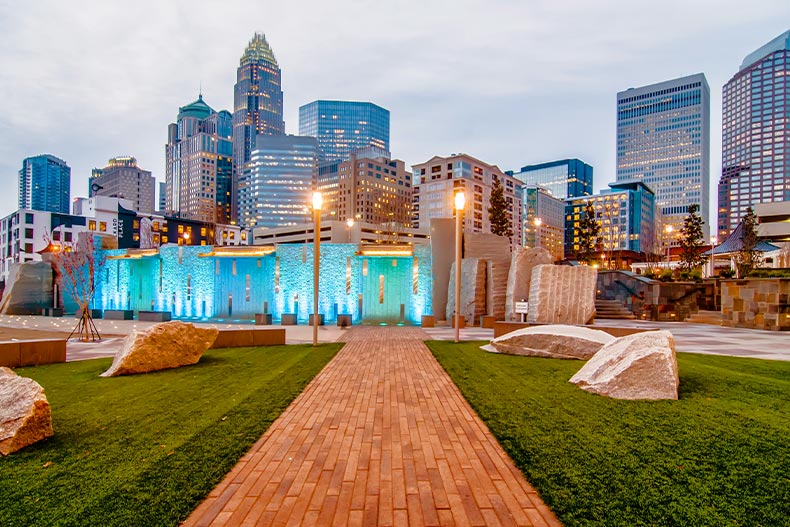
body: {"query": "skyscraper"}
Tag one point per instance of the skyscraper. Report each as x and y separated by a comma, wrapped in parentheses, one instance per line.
(755, 165)
(45, 184)
(257, 105)
(122, 178)
(566, 178)
(276, 187)
(663, 140)
(342, 127)
(199, 164)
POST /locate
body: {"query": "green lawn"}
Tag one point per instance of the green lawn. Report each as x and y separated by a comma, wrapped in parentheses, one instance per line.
(720, 456)
(145, 449)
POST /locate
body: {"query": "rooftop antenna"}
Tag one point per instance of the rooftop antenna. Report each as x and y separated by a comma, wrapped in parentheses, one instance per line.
(200, 92)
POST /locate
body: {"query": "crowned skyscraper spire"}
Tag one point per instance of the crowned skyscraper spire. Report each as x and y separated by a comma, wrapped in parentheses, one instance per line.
(257, 104)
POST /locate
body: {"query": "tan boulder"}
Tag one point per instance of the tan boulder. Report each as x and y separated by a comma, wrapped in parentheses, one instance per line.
(562, 294)
(553, 341)
(25, 416)
(163, 346)
(522, 261)
(638, 366)
(473, 290)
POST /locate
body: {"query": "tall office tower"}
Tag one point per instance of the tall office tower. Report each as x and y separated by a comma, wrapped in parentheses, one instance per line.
(663, 140)
(162, 196)
(257, 105)
(276, 187)
(342, 127)
(627, 214)
(45, 184)
(437, 180)
(567, 178)
(544, 220)
(122, 178)
(367, 188)
(755, 165)
(199, 164)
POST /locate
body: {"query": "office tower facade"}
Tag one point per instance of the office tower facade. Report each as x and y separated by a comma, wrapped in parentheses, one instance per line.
(544, 220)
(45, 184)
(755, 134)
(122, 178)
(366, 188)
(342, 127)
(627, 215)
(566, 178)
(199, 164)
(663, 140)
(276, 187)
(162, 203)
(257, 105)
(437, 180)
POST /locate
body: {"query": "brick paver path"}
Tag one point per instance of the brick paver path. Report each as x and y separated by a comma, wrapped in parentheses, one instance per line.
(381, 436)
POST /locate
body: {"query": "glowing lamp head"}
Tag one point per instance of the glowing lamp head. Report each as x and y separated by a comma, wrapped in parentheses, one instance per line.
(318, 200)
(350, 222)
(538, 222)
(460, 200)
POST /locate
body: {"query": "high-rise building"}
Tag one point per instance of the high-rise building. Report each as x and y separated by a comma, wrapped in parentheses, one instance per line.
(544, 220)
(45, 184)
(663, 140)
(257, 105)
(276, 187)
(626, 212)
(122, 178)
(566, 178)
(162, 196)
(342, 127)
(437, 180)
(755, 165)
(199, 164)
(367, 188)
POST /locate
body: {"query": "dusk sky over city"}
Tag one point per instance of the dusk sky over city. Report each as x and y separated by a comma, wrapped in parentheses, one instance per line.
(509, 82)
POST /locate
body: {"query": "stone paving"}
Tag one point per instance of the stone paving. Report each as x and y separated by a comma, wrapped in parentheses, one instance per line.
(381, 436)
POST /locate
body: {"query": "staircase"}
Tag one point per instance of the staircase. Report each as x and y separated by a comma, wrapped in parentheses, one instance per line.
(612, 309)
(705, 317)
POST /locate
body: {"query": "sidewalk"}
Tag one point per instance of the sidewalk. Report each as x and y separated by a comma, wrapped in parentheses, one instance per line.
(381, 436)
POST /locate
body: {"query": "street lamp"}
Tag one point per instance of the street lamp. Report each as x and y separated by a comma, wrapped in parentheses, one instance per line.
(350, 224)
(538, 223)
(712, 270)
(317, 202)
(669, 230)
(460, 200)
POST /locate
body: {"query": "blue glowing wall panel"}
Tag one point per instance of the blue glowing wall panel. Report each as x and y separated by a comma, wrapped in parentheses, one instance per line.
(243, 286)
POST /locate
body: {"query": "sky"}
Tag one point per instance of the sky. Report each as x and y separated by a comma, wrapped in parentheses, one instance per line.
(511, 82)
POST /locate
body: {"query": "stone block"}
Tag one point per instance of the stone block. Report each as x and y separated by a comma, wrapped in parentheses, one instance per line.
(562, 294)
(343, 320)
(428, 321)
(496, 287)
(473, 290)
(154, 316)
(268, 337)
(42, 351)
(9, 354)
(288, 319)
(486, 246)
(118, 314)
(234, 338)
(487, 321)
(25, 416)
(263, 319)
(28, 289)
(320, 319)
(522, 261)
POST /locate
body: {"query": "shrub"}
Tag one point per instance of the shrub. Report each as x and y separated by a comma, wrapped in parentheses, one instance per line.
(666, 275)
(727, 273)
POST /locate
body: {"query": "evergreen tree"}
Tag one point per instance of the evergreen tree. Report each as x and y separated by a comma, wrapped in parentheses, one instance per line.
(691, 240)
(588, 231)
(748, 257)
(498, 216)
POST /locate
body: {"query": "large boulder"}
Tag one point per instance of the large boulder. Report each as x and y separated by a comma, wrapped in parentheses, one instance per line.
(496, 287)
(28, 289)
(638, 366)
(554, 341)
(25, 416)
(163, 346)
(473, 290)
(522, 261)
(561, 294)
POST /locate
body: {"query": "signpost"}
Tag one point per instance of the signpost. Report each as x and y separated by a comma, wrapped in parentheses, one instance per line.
(522, 308)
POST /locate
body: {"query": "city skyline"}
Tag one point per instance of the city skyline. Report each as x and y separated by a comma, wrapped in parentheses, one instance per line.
(544, 86)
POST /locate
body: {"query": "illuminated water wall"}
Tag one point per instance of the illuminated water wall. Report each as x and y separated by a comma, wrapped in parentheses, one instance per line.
(181, 281)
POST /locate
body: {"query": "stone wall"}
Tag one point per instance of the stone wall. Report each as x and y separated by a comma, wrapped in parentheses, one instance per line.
(758, 303)
(523, 260)
(560, 294)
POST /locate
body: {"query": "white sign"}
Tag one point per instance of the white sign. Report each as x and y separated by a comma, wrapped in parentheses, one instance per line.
(522, 307)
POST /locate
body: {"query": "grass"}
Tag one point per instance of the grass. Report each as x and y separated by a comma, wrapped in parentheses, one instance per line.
(146, 449)
(719, 456)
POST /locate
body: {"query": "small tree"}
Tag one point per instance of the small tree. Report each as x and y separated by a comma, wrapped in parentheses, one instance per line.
(691, 240)
(748, 256)
(498, 216)
(588, 231)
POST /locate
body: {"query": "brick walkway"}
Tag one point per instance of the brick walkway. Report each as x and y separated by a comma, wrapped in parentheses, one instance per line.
(380, 437)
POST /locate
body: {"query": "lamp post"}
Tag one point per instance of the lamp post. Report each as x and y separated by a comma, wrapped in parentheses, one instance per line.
(712, 269)
(350, 224)
(460, 200)
(538, 223)
(669, 230)
(317, 202)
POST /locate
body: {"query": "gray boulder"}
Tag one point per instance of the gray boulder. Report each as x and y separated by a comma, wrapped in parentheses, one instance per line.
(554, 341)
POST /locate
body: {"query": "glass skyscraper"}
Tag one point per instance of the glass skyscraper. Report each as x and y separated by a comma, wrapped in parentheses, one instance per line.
(566, 178)
(342, 127)
(663, 140)
(276, 187)
(257, 104)
(755, 166)
(45, 184)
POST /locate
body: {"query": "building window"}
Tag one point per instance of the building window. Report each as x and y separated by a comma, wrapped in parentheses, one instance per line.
(28, 218)
(102, 226)
(91, 225)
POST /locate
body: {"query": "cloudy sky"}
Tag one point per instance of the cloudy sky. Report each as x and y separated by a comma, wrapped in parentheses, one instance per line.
(512, 82)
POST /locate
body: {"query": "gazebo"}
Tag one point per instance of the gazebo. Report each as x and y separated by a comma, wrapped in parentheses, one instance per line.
(728, 250)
